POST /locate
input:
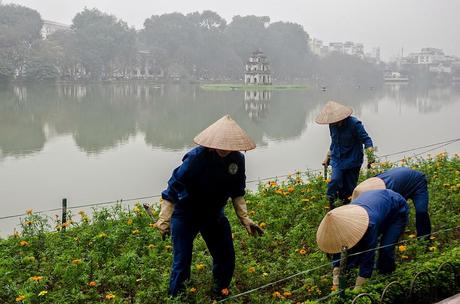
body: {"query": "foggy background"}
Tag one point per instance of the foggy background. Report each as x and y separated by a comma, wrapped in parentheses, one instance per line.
(390, 24)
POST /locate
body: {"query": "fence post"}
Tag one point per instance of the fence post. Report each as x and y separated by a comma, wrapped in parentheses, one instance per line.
(342, 271)
(64, 212)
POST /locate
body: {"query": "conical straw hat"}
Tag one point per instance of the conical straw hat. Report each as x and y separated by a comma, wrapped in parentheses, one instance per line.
(373, 183)
(342, 226)
(333, 112)
(225, 134)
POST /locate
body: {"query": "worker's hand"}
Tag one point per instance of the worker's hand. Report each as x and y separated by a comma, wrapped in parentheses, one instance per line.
(239, 204)
(163, 223)
(252, 228)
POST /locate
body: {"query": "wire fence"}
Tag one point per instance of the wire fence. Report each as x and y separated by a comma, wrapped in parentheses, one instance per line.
(329, 265)
(432, 147)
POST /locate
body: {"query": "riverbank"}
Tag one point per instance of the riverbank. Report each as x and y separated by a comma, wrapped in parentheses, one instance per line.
(117, 256)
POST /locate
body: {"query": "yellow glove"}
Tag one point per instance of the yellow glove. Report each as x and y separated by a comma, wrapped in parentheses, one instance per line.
(164, 218)
(239, 204)
(359, 282)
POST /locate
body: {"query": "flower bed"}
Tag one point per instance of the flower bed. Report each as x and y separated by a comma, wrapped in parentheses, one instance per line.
(117, 256)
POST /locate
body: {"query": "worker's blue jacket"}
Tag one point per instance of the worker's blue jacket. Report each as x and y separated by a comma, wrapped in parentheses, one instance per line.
(204, 182)
(388, 215)
(347, 140)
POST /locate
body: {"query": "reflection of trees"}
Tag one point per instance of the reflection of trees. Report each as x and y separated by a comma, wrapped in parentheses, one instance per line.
(425, 99)
(102, 116)
(21, 132)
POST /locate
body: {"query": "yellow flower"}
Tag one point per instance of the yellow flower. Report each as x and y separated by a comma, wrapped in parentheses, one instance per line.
(290, 189)
(76, 261)
(109, 296)
(412, 236)
(23, 243)
(29, 211)
(432, 248)
(42, 293)
(263, 225)
(20, 298)
(28, 223)
(402, 248)
(251, 213)
(152, 225)
(404, 257)
(136, 231)
(168, 247)
(251, 269)
(265, 274)
(199, 266)
(36, 278)
(92, 284)
(302, 251)
(102, 235)
(193, 290)
(130, 221)
(150, 246)
(287, 294)
(279, 191)
(432, 237)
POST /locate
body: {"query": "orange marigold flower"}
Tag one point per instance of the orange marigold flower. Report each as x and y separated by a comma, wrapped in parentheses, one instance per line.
(66, 224)
(263, 225)
(251, 269)
(302, 251)
(92, 284)
(23, 243)
(20, 298)
(225, 292)
(193, 290)
(402, 248)
(130, 221)
(28, 223)
(277, 294)
(287, 294)
(29, 211)
(279, 191)
(110, 296)
(290, 189)
(36, 278)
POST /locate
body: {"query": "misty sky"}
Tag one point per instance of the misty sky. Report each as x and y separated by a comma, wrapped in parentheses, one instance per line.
(390, 24)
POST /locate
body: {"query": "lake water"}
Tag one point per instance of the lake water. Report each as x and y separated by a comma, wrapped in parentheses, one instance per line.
(97, 143)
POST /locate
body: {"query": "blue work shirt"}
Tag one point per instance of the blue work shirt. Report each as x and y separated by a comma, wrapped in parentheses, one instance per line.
(404, 181)
(385, 208)
(347, 143)
(204, 182)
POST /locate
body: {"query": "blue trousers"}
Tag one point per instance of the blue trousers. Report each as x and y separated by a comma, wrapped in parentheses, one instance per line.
(217, 234)
(422, 218)
(342, 184)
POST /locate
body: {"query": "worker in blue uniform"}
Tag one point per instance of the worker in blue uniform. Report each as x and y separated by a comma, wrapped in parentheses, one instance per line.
(376, 218)
(195, 198)
(345, 154)
(411, 184)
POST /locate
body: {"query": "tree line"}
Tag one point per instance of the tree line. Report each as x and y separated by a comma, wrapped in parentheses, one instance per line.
(195, 46)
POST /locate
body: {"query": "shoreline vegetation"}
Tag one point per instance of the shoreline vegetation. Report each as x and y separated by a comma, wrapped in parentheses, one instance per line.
(248, 87)
(116, 255)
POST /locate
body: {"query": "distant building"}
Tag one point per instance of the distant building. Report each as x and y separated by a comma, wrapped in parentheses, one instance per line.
(50, 27)
(257, 70)
(319, 48)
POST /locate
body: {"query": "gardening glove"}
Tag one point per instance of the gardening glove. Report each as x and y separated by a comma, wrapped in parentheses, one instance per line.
(327, 159)
(164, 218)
(335, 278)
(359, 282)
(242, 212)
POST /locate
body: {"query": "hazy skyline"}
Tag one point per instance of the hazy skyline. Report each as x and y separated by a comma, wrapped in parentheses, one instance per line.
(392, 25)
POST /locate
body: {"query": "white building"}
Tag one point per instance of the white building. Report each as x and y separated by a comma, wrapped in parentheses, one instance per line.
(50, 27)
(257, 70)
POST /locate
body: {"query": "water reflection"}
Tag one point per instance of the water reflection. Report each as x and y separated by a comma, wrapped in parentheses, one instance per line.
(100, 117)
(256, 104)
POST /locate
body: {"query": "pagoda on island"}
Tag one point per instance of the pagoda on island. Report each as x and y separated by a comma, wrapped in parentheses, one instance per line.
(257, 70)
